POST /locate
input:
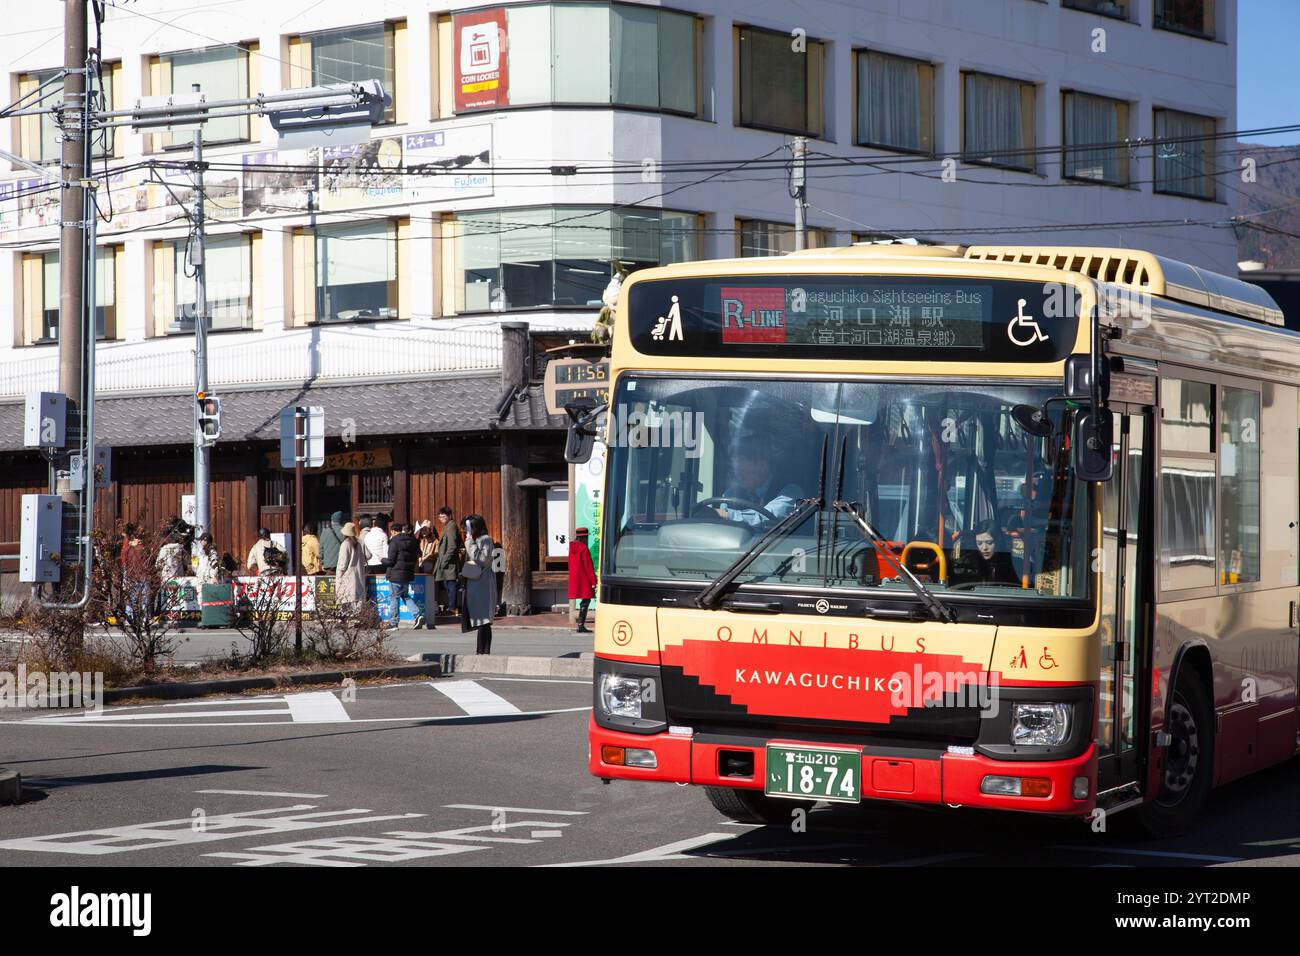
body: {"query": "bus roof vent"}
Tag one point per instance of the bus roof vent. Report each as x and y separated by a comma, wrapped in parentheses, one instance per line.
(1146, 272)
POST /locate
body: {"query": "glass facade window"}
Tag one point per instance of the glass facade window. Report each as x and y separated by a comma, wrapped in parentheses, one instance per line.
(1186, 16)
(1239, 486)
(557, 55)
(222, 74)
(228, 285)
(356, 272)
(758, 237)
(780, 84)
(45, 145)
(1185, 167)
(1188, 419)
(105, 295)
(998, 121)
(563, 256)
(1187, 484)
(895, 103)
(1088, 120)
(354, 54)
(1107, 8)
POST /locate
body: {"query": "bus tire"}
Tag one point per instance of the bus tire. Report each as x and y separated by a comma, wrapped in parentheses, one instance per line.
(1189, 762)
(753, 806)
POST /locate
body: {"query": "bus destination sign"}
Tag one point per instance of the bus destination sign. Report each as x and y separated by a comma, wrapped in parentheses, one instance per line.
(855, 317)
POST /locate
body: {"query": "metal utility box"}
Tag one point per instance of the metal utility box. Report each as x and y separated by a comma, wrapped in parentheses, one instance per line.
(45, 421)
(41, 535)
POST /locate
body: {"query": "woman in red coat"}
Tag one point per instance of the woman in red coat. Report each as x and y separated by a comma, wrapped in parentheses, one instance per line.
(582, 577)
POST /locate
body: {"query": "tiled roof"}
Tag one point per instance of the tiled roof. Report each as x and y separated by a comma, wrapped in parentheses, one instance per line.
(529, 412)
(432, 406)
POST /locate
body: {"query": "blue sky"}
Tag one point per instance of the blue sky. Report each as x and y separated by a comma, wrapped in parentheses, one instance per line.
(1267, 31)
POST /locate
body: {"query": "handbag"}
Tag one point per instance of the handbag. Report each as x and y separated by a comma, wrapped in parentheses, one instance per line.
(471, 571)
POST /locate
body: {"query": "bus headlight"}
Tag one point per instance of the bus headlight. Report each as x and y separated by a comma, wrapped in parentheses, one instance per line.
(1040, 725)
(620, 696)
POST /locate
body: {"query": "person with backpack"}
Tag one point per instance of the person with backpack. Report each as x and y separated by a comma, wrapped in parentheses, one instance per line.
(331, 536)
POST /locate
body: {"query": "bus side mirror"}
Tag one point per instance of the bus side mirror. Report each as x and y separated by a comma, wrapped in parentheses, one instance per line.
(1094, 433)
(1078, 378)
(583, 415)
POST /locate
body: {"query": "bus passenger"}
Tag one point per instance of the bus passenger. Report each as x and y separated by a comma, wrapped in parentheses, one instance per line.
(988, 562)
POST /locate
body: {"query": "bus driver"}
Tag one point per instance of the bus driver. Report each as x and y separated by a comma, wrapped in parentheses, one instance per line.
(752, 483)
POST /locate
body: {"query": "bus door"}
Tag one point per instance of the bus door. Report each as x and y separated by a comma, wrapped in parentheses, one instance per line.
(1126, 605)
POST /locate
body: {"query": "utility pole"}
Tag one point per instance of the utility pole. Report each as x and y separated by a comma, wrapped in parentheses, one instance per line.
(72, 216)
(299, 456)
(202, 450)
(799, 192)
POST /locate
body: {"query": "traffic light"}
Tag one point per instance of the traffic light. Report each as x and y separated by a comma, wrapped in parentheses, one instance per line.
(209, 417)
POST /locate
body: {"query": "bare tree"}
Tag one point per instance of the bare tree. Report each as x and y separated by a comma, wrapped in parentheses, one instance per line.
(131, 594)
(346, 633)
(261, 616)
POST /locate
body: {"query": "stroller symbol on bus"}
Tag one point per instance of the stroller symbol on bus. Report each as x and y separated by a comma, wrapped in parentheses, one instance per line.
(1024, 325)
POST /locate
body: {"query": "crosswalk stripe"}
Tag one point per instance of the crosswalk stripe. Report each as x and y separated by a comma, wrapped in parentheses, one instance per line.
(316, 707)
(475, 699)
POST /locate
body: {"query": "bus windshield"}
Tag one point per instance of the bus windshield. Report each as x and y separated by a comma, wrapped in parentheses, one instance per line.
(968, 499)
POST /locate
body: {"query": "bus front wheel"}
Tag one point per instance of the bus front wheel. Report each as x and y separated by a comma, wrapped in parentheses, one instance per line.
(1189, 761)
(754, 806)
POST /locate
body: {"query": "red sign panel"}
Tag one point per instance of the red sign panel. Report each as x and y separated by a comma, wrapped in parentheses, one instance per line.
(482, 80)
(753, 315)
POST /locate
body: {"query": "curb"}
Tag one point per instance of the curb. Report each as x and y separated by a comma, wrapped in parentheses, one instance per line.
(515, 666)
(11, 786)
(180, 691)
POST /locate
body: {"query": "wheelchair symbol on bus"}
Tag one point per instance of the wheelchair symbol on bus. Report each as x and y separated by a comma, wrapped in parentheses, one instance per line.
(1023, 330)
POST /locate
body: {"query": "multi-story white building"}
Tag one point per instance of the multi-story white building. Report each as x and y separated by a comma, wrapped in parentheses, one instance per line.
(530, 147)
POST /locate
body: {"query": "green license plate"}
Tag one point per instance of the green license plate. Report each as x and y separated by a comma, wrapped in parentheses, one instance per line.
(814, 773)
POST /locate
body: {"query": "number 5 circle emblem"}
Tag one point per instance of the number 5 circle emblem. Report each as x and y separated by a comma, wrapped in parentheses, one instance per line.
(622, 633)
(1023, 330)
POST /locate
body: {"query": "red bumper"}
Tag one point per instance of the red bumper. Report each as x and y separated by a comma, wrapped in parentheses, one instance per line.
(947, 778)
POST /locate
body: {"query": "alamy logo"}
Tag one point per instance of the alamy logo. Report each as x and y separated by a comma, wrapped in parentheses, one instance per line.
(670, 323)
(73, 909)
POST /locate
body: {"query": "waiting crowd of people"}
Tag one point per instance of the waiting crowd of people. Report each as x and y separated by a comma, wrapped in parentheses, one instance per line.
(456, 561)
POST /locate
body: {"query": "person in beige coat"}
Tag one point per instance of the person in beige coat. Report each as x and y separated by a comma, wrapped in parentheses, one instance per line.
(350, 575)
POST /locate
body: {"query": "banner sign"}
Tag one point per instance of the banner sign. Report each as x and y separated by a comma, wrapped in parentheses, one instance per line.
(482, 77)
(448, 164)
(182, 595)
(287, 189)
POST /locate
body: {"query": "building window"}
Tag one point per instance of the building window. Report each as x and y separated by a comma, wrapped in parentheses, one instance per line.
(39, 137)
(998, 121)
(758, 237)
(563, 256)
(354, 54)
(1088, 120)
(1184, 167)
(780, 86)
(228, 285)
(41, 295)
(221, 73)
(356, 272)
(895, 103)
(558, 54)
(1186, 16)
(375, 488)
(1239, 486)
(1107, 8)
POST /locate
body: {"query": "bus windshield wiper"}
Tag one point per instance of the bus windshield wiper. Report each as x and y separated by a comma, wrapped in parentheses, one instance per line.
(936, 607)
(710, 596)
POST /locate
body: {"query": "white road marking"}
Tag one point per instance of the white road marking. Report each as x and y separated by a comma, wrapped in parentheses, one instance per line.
(221, 826)
(266, 793)
(38, 722)
(345, 851)
(545, 834)
(1125, 851)
(670, 851)
(473, 698)
(492, 809)
(317, 707)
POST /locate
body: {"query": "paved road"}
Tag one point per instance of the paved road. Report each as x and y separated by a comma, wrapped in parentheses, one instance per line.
(199, 645)
(490, 772)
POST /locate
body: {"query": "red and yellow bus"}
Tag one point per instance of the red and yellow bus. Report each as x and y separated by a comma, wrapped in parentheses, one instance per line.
(1011, 528)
